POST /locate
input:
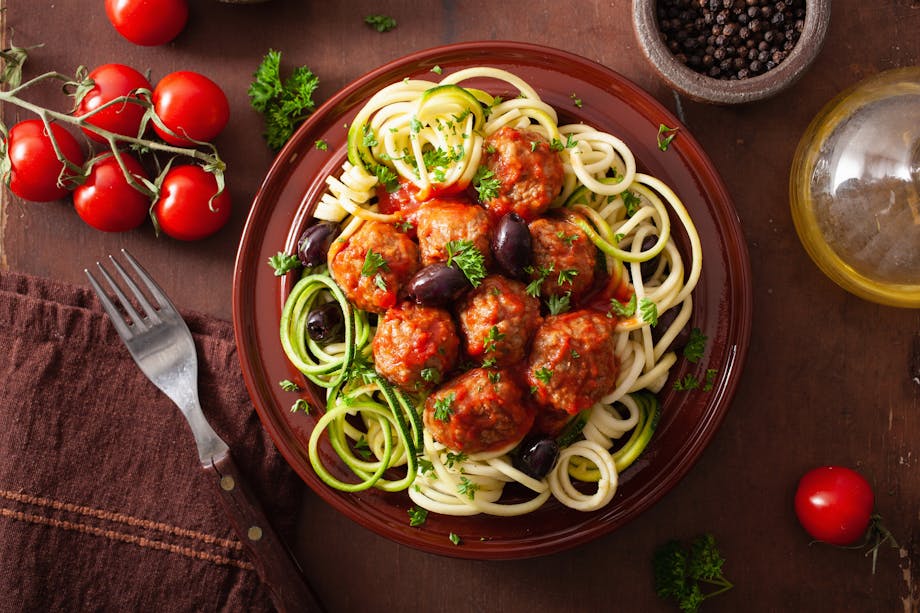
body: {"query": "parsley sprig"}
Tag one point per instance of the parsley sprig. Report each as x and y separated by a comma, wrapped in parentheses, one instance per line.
(464, 255)
(283, 263)
(486, 183)
(381, 23)
(684, 570)
(283, 103)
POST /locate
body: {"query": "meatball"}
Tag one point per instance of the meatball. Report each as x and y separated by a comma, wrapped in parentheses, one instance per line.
(415, 346)
(497, 320)
(481, 410)
(564, 258)
(572, 363)
(439, 222)
(373, 265)
(529, 172)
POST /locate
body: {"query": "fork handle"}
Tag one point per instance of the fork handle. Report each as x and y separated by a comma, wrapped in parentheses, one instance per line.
(276, 566)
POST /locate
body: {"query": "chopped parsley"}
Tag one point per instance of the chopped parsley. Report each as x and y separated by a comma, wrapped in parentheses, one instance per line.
(373, 262)
(632, 202)
(558, 145)
(559, 304)
(283, 263)
(454, 538)
(649, 311)
(689, 382)
(710, 379)
(437, 70)
(468, 259)
(623, 310)
(321, 145)
(576, 100)
(452, 459)
(425, 466)
(381, 23)
(300, 405)
(362, 448)
(431, 375)
(539, 274)
(491, 338)
(495, 377)
(417, 516)
(566, 276)
(696, 346)
(486, 183)
(543, 375)
(467, 488)
(568, 239)
(665, 136)
(289, 386)
(442, 407)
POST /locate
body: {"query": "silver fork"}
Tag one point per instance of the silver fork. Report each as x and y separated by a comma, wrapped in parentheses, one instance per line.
(160, 342)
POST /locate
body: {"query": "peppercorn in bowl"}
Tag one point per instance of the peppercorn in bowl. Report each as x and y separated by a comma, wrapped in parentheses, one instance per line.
(730, 51)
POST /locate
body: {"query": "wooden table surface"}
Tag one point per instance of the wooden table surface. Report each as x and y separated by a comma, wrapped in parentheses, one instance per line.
(829, 379)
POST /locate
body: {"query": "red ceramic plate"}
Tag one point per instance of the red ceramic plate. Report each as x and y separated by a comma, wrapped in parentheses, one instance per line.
(722, 306)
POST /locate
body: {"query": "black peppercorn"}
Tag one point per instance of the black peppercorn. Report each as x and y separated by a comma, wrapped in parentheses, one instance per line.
(731, 39)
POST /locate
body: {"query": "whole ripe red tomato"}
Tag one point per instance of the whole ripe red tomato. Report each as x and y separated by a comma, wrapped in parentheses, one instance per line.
(113, 81)
(183, 209)
(834, 504)
(106, 201)
(190, 104)
(35, 170)
(148, 22)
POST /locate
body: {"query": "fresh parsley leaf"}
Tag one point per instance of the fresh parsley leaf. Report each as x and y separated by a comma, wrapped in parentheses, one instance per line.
(289, 386)
(491, 338)
(437, 70)
(566, 276)
(283, 263)
(495, 376)
(576, 100)
(467, 488)
(559, 304)
(431, 375)
(649, 311)
(623, 310)
(362, 448)
(683, 570)
(442, 407)
(689, 382)
(710, 379)
(452, 459)
(373, 262)
(284, 104)
(486, 183)
(465, 256)
(454, 538)
(665, 136)
(417, 516)
(425, 466)
(381, 23)
(321, 145)
(631, 202)
(543, 375)
(696, 345)
(300, 405)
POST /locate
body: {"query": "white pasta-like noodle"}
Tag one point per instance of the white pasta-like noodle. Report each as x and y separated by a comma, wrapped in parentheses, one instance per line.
(430, 134)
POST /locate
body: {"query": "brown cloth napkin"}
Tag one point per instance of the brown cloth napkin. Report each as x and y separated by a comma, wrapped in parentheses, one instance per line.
(102, 504)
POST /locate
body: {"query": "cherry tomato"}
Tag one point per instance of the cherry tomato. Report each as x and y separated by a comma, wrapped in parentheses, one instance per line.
(106, 201)
(148, 22)
(35, 170)
(834, 504)
(191, 105)
(183, 210)
(113, 81)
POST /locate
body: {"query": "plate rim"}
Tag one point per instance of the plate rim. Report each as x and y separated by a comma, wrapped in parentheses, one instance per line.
(717, 197)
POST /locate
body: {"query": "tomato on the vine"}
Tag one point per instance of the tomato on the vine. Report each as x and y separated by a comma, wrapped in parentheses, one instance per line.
(36, 173)
(185, 209)
(190, 105)
(113, 81)
(148, 22)
(106, 201)
(834, 504)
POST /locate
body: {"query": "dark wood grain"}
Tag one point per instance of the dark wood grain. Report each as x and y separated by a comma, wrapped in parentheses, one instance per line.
(830, 379)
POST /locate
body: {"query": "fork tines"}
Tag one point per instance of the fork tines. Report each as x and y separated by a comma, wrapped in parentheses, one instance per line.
(118, 305)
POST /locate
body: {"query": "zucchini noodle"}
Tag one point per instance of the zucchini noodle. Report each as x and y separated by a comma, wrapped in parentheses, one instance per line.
(429, 135)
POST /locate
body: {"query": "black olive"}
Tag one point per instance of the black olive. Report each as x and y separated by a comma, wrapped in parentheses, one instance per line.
(648, 267)
(535, 457)
(437, 285)
(314, 243)
(325, 323)
(511, 246)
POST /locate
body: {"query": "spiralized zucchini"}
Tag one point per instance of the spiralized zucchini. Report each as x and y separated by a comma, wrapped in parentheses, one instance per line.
(430, 135)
